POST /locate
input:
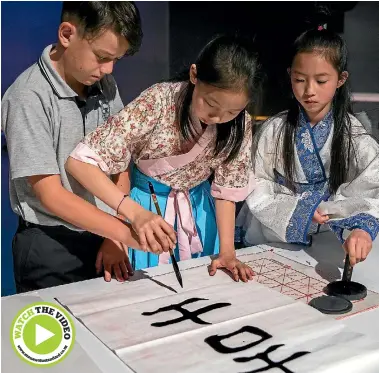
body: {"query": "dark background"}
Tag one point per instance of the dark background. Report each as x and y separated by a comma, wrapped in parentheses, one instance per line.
(174, 34)
(274, 26)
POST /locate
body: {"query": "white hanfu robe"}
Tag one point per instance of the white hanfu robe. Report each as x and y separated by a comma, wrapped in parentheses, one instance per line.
(272, 213)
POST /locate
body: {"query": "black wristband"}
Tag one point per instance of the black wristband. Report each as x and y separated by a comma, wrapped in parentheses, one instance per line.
(122, 200)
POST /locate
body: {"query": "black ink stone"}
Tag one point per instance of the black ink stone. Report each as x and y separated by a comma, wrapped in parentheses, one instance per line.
(348, 290)
(331, 304)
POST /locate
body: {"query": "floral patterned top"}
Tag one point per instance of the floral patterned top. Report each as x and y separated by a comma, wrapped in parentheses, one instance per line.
(147, 129)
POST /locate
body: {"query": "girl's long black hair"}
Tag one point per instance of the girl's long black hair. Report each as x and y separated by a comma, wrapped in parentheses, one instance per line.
(333, 48)
(228, 62)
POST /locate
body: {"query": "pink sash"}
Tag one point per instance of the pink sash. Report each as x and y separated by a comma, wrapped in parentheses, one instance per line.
(178, 202)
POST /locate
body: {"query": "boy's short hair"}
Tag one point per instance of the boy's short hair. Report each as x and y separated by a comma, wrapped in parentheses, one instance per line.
(93, 17)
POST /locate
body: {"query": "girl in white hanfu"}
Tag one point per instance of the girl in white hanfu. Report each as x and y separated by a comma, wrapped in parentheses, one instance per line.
(315, 164)
(178, 134)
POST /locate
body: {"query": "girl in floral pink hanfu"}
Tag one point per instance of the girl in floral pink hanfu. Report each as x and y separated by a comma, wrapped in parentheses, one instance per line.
(178, 134)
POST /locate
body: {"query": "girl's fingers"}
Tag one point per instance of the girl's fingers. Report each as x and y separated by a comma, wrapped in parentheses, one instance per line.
(365, 251)
(234, 271)
(156, 248)
(163, 238)
(169, 230)
(351, 251)
(250, 273)
(242, 273)
(143, 241)
(358, 251)
(212, 269)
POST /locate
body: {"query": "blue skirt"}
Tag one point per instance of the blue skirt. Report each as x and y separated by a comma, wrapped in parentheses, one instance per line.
(203, 211)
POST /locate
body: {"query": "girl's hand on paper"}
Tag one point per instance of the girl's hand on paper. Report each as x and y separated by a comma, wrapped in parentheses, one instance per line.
(237, 269)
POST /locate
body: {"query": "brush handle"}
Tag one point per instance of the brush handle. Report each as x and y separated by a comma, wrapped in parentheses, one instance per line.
(155, 201)
(348, 270)
(173, 260)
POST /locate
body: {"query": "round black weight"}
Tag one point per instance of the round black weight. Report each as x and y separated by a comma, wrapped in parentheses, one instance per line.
(331, 305)
(349, 290)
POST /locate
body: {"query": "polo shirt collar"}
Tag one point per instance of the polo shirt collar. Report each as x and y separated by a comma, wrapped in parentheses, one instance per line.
(60, 87)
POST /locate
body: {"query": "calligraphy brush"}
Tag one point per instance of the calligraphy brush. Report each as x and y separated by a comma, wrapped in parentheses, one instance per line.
(173, 260)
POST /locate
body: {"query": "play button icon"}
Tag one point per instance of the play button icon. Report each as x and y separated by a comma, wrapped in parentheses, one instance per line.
(42, 334)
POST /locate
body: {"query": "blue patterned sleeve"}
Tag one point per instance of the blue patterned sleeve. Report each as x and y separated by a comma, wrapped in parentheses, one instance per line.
(356, 202)
(300, 223)
(363, 221)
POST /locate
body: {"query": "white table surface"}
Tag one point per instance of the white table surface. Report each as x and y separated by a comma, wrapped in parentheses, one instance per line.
(327, 255)
(91, 355)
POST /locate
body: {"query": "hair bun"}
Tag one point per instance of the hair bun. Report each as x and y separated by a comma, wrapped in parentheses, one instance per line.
(320, 17)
